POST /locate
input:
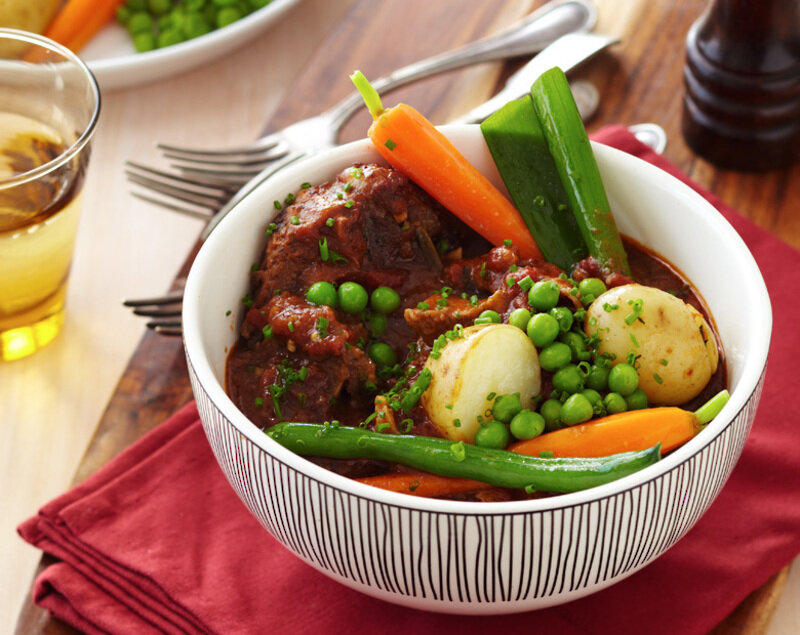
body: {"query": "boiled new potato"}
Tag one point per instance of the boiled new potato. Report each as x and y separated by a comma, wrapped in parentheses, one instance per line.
(490, 358)
(677, 347)
(28, 15)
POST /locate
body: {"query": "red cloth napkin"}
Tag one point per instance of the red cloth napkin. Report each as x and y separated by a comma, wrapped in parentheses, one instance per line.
(158, 541)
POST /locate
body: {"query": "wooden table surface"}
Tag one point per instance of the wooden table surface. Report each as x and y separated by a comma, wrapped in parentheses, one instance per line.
(52, 402)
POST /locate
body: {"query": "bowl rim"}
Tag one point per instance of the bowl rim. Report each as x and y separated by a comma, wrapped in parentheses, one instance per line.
(740, 398)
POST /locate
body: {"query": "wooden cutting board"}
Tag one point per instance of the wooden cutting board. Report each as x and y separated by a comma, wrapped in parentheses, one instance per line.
(155, 383)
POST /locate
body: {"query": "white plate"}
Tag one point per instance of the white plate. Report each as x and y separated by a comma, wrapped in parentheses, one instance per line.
(114, 62)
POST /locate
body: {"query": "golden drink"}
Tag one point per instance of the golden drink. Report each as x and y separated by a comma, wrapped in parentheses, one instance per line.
(38, 223)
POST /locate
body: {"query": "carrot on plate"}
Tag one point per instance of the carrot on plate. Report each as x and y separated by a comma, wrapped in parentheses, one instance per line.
(410, 143)
(79, 21)
(427, 485)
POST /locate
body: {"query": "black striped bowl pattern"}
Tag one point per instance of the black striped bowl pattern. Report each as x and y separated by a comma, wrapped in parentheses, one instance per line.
(484, 558)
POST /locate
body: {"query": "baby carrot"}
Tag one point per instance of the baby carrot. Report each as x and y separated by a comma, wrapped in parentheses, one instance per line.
(625, 432)
(410, 143)
(424, 484)
(79, 21)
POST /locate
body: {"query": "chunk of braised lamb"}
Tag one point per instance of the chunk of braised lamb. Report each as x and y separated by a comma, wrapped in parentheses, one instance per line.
(367, 218)
(305, 395)
(440, 316)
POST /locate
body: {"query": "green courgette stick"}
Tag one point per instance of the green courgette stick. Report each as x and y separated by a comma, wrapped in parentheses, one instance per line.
(570, 148)
(519, 149)
(500, 468)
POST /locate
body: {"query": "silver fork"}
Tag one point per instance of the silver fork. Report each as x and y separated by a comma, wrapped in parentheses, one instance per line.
(223, 169)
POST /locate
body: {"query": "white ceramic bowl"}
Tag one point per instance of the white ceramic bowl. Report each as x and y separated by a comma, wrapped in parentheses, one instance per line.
(484, 558)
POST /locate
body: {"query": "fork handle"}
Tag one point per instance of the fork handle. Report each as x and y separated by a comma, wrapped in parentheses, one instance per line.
(531, 35)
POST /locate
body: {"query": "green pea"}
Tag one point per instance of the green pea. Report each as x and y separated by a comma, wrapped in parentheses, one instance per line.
(637, 400)
(576, 409)
(123, 14)
(554, 356)
(195, 26)
(169, 38)
(568, 379)
(140, 23)
(377, 324)
(543, 295)
(595, 398)
(353, 297)
(542, 329)
(527, 424)
(227, 16)
(614, 403)
(591, 288)
(493, 434)
(597, 379)
(623, 379)
(143, 42)
(506, 407)
(519, 318)
(563, 316)
(551, 413)
(322, 293)
(489, 317)
(384, 300)
(577, 345)
(158, 7)
(382, 354)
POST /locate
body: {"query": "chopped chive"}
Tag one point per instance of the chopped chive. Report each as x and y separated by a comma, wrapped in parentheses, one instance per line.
(259, 402)
(525, 284)
(305, 185)
(423, 306)
(634, 340)
(323, 249)
(349, 204)
(390, 144)
(330, 222)
(247, 300)
(277, 204)
(459, 453)
(267, 331)
(507, 242)
(227, 313)
(322, 326)
(483, 270)
(294, 220)
(291, 327)
(658, 379)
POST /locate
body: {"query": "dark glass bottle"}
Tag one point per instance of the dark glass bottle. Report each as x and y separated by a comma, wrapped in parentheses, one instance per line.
(741, 108)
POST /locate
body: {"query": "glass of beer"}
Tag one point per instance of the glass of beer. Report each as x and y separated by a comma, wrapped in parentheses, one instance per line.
(49, 104)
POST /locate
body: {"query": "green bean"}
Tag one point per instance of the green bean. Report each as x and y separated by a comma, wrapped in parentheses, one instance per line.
(446, 458)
